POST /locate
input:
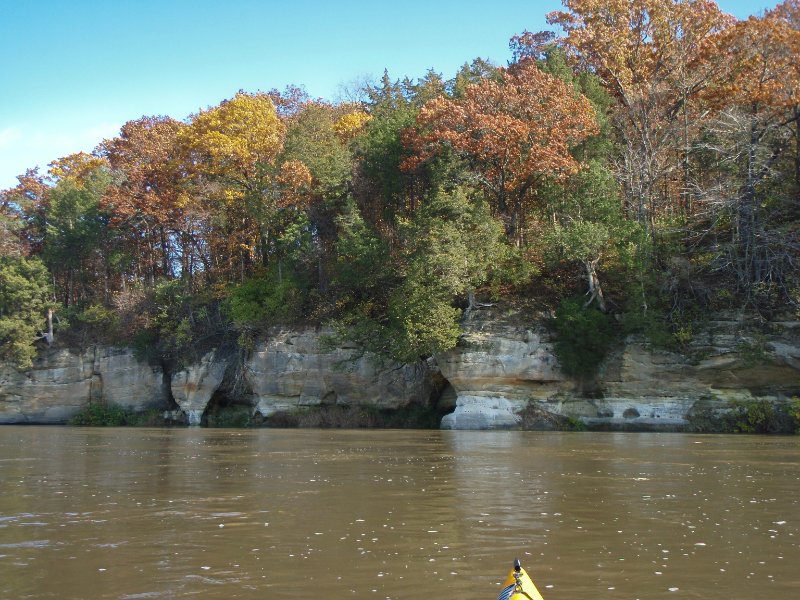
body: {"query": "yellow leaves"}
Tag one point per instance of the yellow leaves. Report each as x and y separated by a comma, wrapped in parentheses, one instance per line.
(183, 200)
(234, 137)
(295, 178)
(632, 45)
(75, 167)
(761, 64)
(232, 195)
(239, 143)
(347, 126)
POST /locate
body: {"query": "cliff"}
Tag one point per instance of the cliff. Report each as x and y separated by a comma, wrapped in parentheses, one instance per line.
(501, 367)
(62, 382)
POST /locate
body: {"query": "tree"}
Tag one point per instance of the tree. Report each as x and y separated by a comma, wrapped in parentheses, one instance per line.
(451, 246)
(755, 104)
(75, 236)
(312, 138)
(363, 269)
(585, 224)
(233, 151)
(512, 134)
(472, 73)
(655, 57)
(237, 138)
(318, 136)
(24, 206)
(145, 203)
(382, 190)
(25, 299)
(788, 14)
(11, 225)
(454, 245)
(406, 309)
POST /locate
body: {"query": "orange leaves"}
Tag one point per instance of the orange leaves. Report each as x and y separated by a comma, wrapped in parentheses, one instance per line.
(511, 132)
(145, 153)
(635, 45)
(295, 174)
(295, 178)
(762, 65)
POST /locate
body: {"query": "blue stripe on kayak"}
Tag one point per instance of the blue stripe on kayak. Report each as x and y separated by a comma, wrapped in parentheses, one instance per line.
(506, 593)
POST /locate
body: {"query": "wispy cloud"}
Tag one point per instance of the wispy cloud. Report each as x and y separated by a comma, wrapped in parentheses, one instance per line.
(9, 136)
(22, 148)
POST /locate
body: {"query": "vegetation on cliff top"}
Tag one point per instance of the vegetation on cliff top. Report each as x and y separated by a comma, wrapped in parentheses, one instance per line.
(648, 160)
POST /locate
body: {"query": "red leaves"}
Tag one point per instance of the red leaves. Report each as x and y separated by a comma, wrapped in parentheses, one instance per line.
(511, 133)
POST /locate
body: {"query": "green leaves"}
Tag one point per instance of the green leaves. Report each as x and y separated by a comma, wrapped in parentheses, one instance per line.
(453, 243)
(584, 336)
(421, 322)
(264, 301)
(402, 304)
(362, 257)
(75, 223)
(25, 296)
(312, 140)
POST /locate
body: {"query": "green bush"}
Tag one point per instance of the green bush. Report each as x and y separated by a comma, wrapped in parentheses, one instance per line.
(182, 324)
(97, 414)
(583, 338)
(794, 413)
(234, 416)
(760, 416)
(414, 416)
(266, 300)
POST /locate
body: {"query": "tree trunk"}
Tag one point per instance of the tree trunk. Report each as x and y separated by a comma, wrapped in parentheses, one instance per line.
(165, 261)
(595, 289)
(797, 147)
(686, 200)
(49, 335)
(747, 216)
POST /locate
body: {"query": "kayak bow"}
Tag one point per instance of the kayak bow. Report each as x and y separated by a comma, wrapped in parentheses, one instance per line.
(518, 586)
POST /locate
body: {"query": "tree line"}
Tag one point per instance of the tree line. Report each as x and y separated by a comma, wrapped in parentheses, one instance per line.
(645, 159)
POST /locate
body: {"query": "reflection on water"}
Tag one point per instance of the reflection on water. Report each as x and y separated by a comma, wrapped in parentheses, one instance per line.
(127, 513)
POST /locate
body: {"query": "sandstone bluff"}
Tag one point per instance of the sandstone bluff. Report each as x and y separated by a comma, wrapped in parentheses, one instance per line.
(498, 369)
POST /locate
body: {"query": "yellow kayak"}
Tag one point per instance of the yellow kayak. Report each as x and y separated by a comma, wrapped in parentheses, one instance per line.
(518, 586)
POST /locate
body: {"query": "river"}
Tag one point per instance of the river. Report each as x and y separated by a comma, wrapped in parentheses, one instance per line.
(201, 513)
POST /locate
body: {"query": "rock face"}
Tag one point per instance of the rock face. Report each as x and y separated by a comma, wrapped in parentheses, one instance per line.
(62, 382)
(193, 386)
(495, 370)
(293, 369)
(499, 368)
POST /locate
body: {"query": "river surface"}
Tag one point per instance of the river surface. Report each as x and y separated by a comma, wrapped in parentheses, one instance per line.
(202, 513)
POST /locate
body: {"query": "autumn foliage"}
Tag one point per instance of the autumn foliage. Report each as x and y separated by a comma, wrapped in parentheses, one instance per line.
(645, 156)
(512, 133)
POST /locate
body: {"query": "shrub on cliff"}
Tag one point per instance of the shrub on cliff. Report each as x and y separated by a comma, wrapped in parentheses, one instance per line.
(266, 300)
(100, 414)
(25, 296)
(583, 338)
(97, 414)
(760, 416)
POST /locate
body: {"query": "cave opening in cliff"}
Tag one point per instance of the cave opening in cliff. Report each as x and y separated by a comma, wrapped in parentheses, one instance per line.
(227, 410)
(443, 400)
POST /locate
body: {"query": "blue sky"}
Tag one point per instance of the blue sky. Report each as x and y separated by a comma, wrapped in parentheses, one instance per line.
(73, 71)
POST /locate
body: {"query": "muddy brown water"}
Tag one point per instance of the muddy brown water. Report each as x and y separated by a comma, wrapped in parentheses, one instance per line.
(199, 513)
